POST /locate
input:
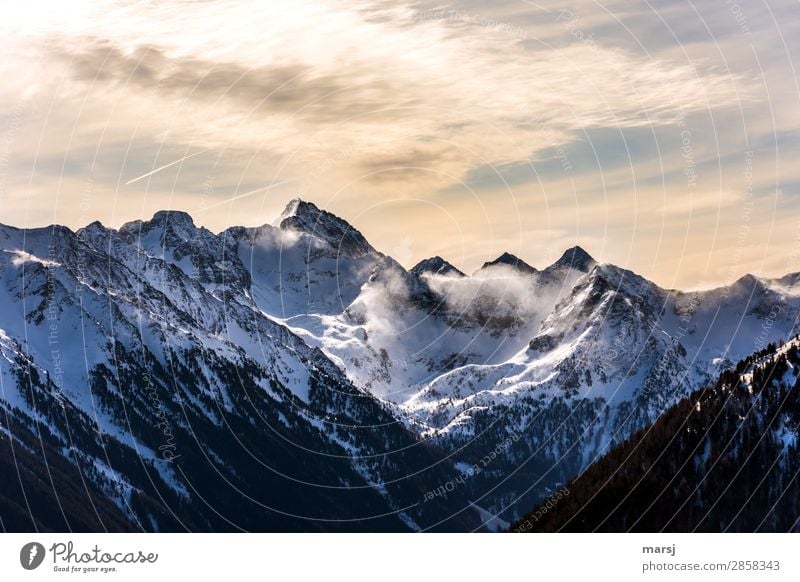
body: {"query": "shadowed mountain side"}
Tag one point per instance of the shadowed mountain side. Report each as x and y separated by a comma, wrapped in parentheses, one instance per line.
(724, 459)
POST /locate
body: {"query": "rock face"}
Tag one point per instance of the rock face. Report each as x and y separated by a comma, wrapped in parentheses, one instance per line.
(136, 365)
(310, 262)
(303, 381)
(724, 458)
(509, 260)
(436, 266)
(306, 218)
(574, 258)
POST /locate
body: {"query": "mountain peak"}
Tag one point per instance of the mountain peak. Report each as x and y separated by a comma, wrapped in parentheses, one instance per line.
(172, 217)
(510, 260)
(95, 227)
(95, 233)
(161, 219)
(436, 266)
(747, 284)
(575, 258)
(306, 217)
(300, 208)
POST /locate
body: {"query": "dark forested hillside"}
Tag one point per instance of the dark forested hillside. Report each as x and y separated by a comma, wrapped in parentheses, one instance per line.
(723, 459)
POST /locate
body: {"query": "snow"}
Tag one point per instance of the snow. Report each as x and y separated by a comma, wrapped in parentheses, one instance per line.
(437, 347)
(21, 257)
(491, 521)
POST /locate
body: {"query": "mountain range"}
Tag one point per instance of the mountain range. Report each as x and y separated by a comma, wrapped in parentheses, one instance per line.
(291, 377)
(722, 459)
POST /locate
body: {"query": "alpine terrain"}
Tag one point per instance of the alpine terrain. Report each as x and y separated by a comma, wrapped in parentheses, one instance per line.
(291, 377)
(724, 458)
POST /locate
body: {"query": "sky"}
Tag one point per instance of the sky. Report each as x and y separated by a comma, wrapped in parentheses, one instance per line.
(662, 136)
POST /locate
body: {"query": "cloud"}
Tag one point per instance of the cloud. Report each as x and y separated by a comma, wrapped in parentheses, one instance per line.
(352, 101)
(279, 89)
(360, 68)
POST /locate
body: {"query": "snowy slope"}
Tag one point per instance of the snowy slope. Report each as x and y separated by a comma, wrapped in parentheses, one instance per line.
(608, 360)
(722, 459)
(310, 261)
(139, 354)
(302, 332)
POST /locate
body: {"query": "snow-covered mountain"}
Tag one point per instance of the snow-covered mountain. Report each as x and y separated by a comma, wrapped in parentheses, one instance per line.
(297, 368)
(724, 458)
(508, 260)
(435, 266)
(137, 358)
(610, 358)
(309, 261)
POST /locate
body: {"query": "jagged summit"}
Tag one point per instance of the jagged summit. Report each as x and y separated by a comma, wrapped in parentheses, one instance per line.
(436, 266)
(510, 260)
(790, 279)
(96, 225)
(95, 233)
(748, 280)
(298, 207)
(306, 217)
(175, 219)
(286, 328)
(575, 258)
(751, 289)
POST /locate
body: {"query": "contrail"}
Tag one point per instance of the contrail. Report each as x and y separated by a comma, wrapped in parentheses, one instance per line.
(239, 196)
(150, 173)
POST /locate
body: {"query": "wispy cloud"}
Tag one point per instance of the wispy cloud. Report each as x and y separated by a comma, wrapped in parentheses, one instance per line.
(346, 101)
